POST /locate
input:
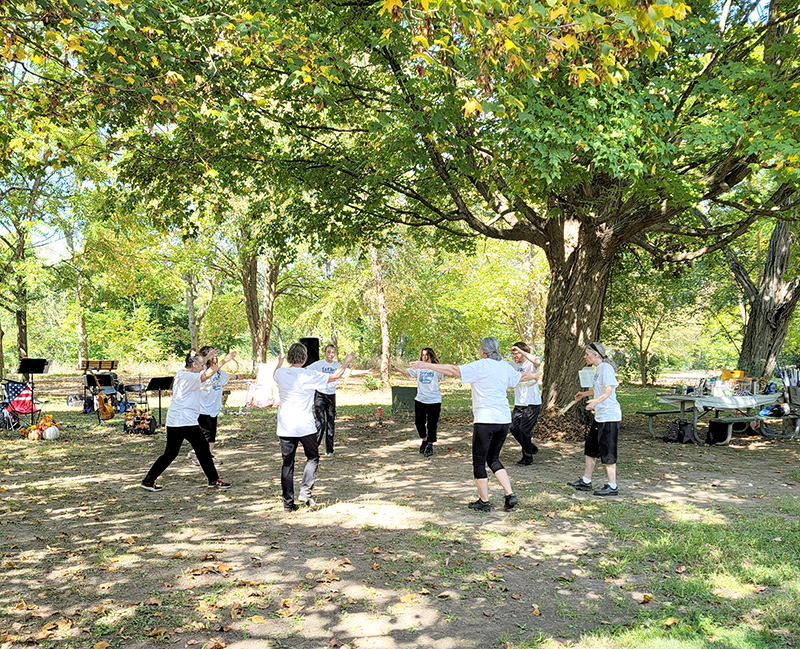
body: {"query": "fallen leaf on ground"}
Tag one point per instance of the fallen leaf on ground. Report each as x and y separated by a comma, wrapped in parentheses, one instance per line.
(256, 619)
(670, 621)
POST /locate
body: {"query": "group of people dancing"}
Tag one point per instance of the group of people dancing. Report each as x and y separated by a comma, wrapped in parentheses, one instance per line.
(307, 412)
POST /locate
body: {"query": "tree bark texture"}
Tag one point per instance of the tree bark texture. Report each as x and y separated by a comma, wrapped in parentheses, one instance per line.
(771, 305)
(383, 314)
(580, 268)
(259, 304)
(189, 280)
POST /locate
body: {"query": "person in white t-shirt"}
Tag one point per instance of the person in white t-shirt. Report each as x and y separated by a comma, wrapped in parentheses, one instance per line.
(296, 386)
(428, 402)
(325, 399)
(490, 378)
(604, 432)
(182, 416)
(527, 401)
(210, 404)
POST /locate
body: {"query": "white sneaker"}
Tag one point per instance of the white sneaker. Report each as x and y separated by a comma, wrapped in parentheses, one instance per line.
(193, 457)
(217, 461)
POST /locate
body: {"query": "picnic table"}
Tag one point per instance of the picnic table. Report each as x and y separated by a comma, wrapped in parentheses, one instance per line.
(702, 404)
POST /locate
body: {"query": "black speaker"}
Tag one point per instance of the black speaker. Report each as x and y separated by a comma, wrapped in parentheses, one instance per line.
(312, 346)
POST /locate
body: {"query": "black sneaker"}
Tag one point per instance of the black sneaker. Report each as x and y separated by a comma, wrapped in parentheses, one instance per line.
(511, 502)
(524, 463)
(151, 487)
(307, 500)
(580, 485)
(481, 506)
(290, 508)
(423, 446)
(219, 483)
(607, 491)
(428, 450)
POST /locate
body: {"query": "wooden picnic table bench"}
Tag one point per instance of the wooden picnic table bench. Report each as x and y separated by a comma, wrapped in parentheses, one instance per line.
(652, 414)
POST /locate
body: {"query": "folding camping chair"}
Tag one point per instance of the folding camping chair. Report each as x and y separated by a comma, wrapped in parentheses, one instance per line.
(18, 401)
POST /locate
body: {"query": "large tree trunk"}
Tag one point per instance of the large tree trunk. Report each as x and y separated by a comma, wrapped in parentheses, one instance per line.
(260, 312)
(188, 279)
(2, 353)
(83, 336)
(21, 316)
(383, 313)
(771, 305)
(580, 269)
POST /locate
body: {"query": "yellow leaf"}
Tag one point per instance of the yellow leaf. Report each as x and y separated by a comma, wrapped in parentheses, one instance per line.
(670, 621)
(257, 619)
(157, 632)
(425, 4)
(112, 50)
(247, 60)
(389, 5)
(101, 645)
(570, 41)
(161, 100)
(471, 106)
(386, 33)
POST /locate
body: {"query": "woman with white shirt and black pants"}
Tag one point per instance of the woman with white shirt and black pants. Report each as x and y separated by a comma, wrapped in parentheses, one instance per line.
(490, 378)
(296, 386)
(428, 402)
(182, 416)
(527, 402)
(601, 442)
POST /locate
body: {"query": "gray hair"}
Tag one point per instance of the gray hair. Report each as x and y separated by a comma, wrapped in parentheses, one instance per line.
(491, 347)
(297, 354)
(602, 352)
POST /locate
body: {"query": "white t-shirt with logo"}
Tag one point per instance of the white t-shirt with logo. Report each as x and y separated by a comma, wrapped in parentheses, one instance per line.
(608, 410)
(326, 368)
(211, 394)
(427, 385)
(296, 386)
(526, 394)
(184, 408)
(490, 381)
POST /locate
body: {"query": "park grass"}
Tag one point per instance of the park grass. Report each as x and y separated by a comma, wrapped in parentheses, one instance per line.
(720, 576)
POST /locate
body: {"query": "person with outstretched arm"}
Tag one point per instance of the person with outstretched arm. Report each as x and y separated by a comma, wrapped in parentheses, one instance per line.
(296, 386)
(490, 378)
(182, 422)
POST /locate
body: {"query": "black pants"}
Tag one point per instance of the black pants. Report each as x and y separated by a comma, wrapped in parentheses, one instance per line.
(288, 450)
(208, 425)
(487, 442)
(325, 418)
(175, 437)
(426, 419)
(523, 419)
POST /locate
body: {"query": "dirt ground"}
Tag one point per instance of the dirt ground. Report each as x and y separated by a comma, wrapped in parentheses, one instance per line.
(389, 558)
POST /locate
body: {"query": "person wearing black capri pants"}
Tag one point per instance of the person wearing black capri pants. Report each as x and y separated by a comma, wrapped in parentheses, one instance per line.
(182, 424)
(490, 378)
(601, 442)
(527, 402)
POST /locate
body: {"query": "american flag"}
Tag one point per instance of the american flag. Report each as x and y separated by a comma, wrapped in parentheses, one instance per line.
(20, 397)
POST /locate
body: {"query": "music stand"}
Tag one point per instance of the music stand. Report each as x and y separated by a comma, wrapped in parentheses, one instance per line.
(159, 383)
(29, 367)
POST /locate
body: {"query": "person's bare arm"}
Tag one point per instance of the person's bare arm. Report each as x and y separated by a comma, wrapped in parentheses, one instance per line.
(211, 371)
(340, 371)
(447, 370)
